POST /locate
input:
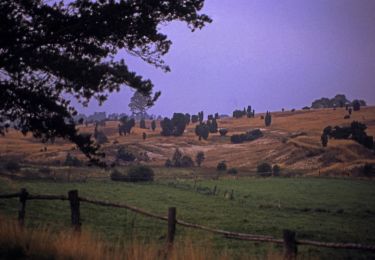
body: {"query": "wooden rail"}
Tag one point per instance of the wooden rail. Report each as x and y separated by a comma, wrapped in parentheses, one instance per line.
(289, 237)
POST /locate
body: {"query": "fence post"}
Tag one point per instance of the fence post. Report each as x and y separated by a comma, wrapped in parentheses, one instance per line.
(22, 210)
(74, 207)
(290, 244)
(171, 226)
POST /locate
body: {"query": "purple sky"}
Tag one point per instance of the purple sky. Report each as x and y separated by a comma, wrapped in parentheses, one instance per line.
(265, 53)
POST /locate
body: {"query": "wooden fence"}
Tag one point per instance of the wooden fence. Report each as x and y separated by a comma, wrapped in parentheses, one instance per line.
(288, 241)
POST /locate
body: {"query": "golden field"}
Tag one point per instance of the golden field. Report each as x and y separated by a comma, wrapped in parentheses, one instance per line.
(292, 141)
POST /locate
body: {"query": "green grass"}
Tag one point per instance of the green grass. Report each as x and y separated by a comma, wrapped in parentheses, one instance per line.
(318, 209)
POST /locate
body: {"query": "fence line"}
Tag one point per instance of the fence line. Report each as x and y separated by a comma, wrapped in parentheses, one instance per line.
(289, 241)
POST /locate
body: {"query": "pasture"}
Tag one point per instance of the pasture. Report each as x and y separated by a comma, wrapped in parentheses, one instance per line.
(334, 210)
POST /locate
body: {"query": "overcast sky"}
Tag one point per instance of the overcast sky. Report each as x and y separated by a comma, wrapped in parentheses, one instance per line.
(270, 54)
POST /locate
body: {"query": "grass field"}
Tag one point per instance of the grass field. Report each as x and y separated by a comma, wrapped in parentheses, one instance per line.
(334, 210)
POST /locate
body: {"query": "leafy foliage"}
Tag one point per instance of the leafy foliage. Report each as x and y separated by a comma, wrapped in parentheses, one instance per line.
(125, 125)
(53, 51)
(202, 131)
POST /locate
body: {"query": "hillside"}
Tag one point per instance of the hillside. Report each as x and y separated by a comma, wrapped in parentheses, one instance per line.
(292, 141)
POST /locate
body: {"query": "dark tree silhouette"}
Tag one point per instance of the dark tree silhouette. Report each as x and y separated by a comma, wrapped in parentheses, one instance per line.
(48, 50)
(139, 103)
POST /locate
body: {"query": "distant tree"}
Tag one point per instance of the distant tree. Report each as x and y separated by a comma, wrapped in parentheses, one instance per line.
(232, 171)
(268, 119)
(125, 125)
(99, 136)
(153, 125)
(175, 126)
(200, 117)
(217, 116)
(144, 136)
(350, 111)
(194, 118)
(199, 158)
(356, 105)
(210, 117)
(202, 131)
(168, 163)
(212, 125)
(142, 123)
(186, 161)
(139, 103)
(249, 112)
(187, 118)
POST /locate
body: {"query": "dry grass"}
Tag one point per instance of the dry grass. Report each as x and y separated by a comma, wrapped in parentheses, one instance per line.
(44, 243)
(280, 144)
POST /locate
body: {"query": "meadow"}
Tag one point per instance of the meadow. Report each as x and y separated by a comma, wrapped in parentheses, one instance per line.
(323, 209)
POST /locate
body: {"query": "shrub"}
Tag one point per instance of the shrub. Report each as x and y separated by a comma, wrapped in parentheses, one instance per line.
(276, 170)
(140, 173)
(168, 163)
(221, 166)
(264, 168)
(223, 131)
(72, 161)
(124, 155)
(12, 166)
(248, 136)
(116, 176)
(186, 161)
(144, 136)
(232, 171)
(324, 140)
(199, 158)
(194, 118)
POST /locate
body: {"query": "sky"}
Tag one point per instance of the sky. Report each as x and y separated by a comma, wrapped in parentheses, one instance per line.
(270, 54)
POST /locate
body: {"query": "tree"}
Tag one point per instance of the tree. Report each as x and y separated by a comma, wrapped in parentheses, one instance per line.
(221, 166)
(50, 49)
(199, 158)
(356, 105)
(268, 119)
(153, 125)
(139, 103)
(144, 136)
(142, 123)
(125, 125)
(202, 131)
(175, 126)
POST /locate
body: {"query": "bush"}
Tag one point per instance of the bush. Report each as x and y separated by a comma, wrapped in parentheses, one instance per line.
(142, 124)
(72, 161)
(168, 163)
(221, 166)
(265, 169)
(124, 155)
(248, 136)
(140, 173)
(276, 170)
(223, 131)
(202, 131)
(135, 174)
(199, 158)
(186, 161)
(232, 171)
(12, 166)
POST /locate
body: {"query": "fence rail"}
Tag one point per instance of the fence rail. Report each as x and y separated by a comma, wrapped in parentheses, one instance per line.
(289, 237)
